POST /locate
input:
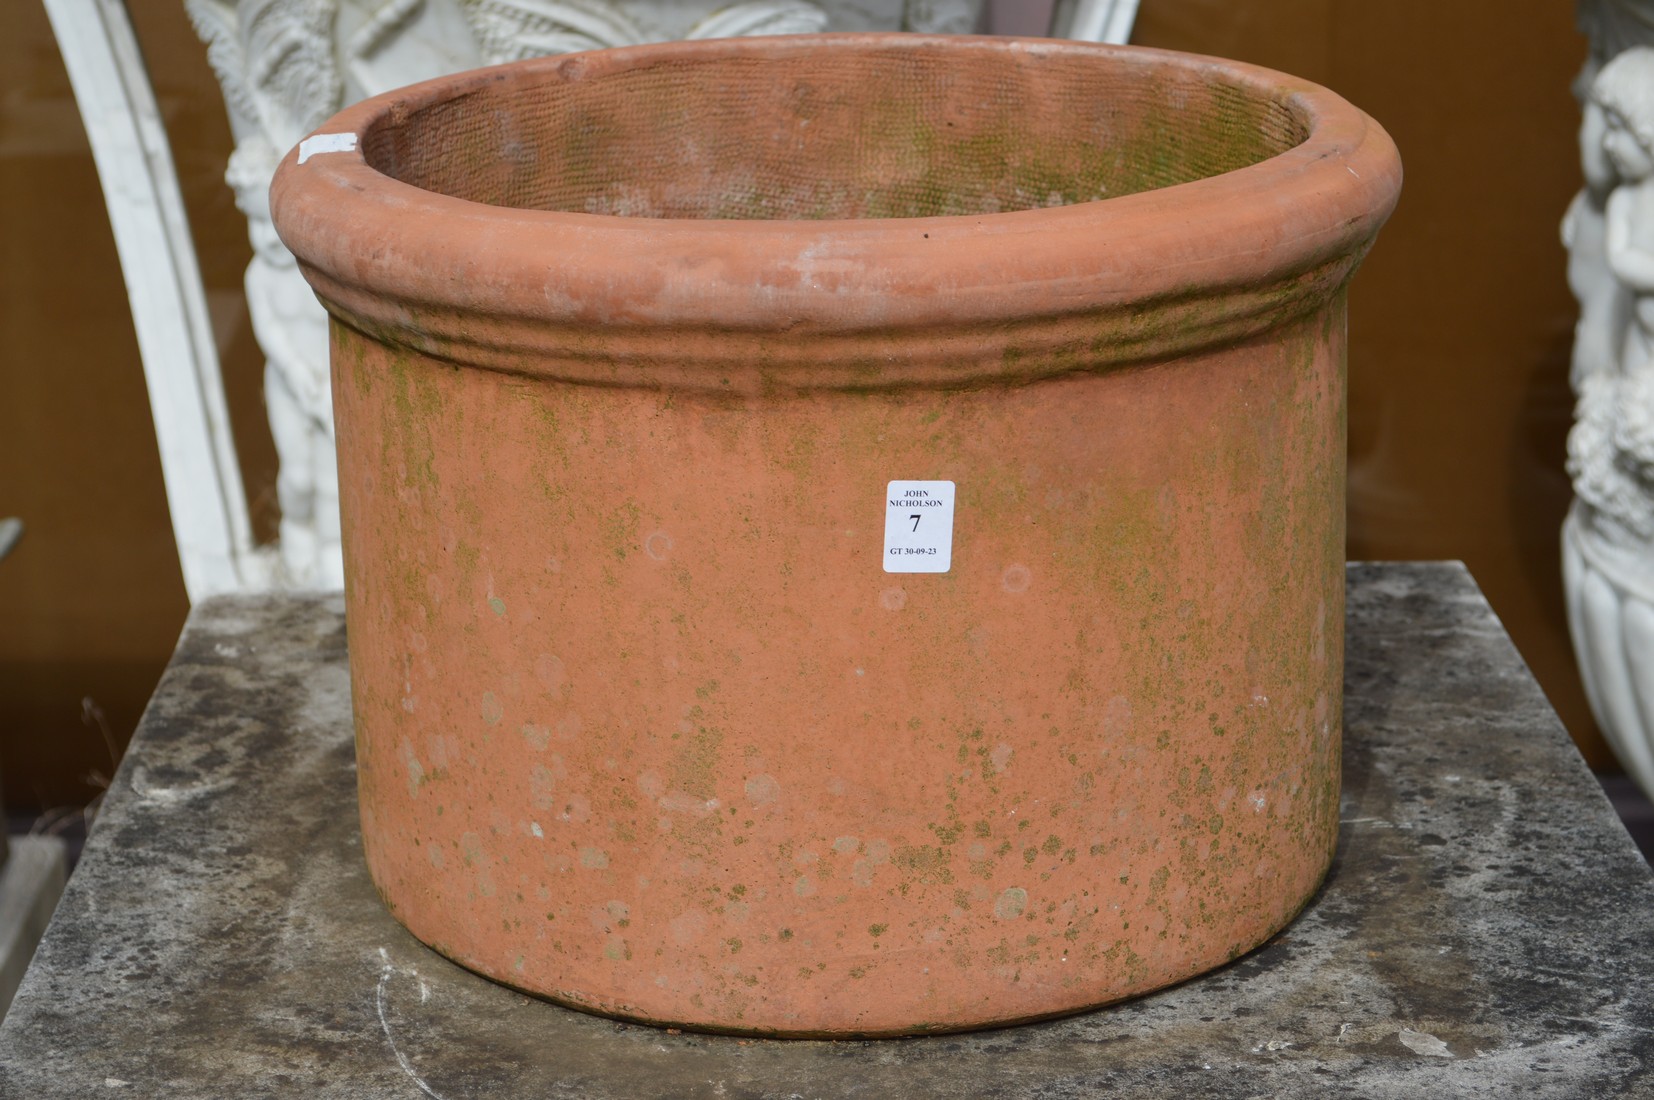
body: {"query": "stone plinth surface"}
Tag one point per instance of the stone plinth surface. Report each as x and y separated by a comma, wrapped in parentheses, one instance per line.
(1485, 930)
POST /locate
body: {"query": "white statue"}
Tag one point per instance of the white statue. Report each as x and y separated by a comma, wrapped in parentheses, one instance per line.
(1602, 298)
(1608, 542)
(277, 66)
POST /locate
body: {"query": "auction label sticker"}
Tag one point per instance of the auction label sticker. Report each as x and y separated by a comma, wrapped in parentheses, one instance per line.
(918, 527)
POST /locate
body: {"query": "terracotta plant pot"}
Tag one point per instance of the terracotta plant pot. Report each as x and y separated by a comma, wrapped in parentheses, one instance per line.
(844, 534)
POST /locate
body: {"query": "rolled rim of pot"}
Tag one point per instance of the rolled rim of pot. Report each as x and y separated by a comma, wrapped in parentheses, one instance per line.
(842, 211)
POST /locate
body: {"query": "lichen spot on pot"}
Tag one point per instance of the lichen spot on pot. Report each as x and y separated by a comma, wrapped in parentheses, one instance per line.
(762, 790)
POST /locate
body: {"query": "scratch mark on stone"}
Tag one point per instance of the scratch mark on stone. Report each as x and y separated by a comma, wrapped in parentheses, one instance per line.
(151, 792)
(385, 975)
(1422, 1042)
(1376, 822)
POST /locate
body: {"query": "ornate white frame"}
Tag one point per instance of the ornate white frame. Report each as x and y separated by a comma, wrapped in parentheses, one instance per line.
(163, 284)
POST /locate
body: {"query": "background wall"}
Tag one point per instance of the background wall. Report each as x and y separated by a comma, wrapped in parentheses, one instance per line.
(91, 600)
(1460, 329)
(1461, 323)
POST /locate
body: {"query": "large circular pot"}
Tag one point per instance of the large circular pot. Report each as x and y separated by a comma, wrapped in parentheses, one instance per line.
(844, 534)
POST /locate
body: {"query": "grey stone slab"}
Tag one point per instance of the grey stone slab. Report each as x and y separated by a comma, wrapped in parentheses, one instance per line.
(1486, 930)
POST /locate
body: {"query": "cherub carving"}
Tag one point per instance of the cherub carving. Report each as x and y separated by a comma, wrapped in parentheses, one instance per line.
(1611, 450)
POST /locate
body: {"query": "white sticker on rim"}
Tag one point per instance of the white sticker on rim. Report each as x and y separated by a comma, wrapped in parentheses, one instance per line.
(918, 527)
(326, 143)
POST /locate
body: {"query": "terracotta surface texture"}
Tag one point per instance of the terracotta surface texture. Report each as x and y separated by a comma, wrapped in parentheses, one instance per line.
(628, 349)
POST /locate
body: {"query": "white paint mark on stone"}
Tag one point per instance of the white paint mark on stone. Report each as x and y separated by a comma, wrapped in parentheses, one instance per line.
(223, 650)
(115, 1083)
(1422, 1042)
(326, 143)
(381, 998)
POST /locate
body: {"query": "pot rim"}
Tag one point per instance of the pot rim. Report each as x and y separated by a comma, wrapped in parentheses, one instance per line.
(841, 303)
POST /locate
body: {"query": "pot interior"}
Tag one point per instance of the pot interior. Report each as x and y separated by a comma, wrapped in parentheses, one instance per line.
(838, 130)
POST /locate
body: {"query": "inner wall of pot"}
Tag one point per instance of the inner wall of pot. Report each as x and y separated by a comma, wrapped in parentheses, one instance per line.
(837, 132)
